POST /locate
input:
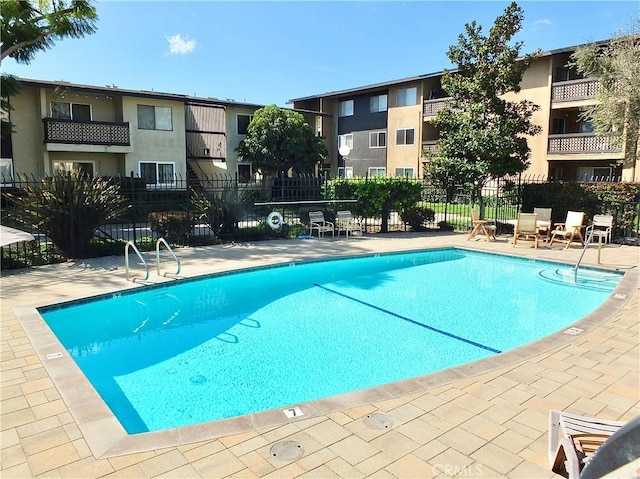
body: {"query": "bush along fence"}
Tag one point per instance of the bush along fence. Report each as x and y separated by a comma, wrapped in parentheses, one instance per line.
(72, 216)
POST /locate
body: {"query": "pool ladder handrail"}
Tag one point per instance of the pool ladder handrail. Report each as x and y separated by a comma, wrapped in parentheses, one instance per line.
(131, 244)
(164, 242)
(584, 249)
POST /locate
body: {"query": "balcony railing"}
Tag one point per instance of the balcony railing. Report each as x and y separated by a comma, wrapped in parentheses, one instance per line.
(574, 90)
(432, 107)
(430, 146)
(86, 133)
(581, 143)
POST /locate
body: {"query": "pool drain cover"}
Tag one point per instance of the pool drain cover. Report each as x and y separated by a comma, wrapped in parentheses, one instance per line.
(287, 450)
(377, 421)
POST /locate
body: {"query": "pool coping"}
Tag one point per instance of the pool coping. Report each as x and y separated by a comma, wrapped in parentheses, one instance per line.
(106, 437)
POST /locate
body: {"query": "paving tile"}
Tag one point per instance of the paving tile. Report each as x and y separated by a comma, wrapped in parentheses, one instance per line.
(53, 458)
(327, 432)
(322, 472)
(483, 427)
(340, 468)
(374, 464)
(11, 456)
(44, 440)
(411, 466)
(183, 472)
(86, 468)
(462, 440)
(20, 471)
(157, 465)
(496, 458)
(353, 449)
(395, 444)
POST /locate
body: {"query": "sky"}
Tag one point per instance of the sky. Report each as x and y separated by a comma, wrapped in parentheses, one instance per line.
(269, 52)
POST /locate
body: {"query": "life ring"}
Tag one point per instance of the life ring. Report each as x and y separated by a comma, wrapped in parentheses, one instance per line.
(275, 220)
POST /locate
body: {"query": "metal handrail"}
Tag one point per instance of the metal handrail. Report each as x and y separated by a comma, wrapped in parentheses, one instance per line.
(163, 241)
(584, 249)
(128, 245)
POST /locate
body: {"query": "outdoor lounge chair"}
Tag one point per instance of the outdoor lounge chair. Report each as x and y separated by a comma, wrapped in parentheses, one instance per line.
(318, 223)
(487, 227)
(526, 227)
(573, 439)
(347, 223)
(570, 229)
(601, 227)
(544, 221)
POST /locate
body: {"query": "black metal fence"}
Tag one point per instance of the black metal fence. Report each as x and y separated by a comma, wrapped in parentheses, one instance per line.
(221, 208)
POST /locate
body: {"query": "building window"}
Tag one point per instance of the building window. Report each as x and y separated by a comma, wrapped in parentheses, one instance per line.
(346, 139)
(558, 126)
(377, 171)
(594, 174)
(405, 136)
(407, 96)
(6, 169)
(70, 111)
(377, 139)
(378, 103)
(155, 118)
(83, 167)
(157, 173)
(244, 173)
(405, 172)
(345, 172)
(242, 123)
(345, 108)
(586, 127)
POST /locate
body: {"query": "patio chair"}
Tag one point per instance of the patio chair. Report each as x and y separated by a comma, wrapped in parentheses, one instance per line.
(347, 223)
(318, 223)
(570, 229)
(526, 227)
(573, 440)
(601, 227)
(544, 221)
(487, 227)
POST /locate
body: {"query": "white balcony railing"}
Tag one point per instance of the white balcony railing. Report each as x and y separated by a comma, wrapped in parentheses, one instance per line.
(574, 90)
(581, 143)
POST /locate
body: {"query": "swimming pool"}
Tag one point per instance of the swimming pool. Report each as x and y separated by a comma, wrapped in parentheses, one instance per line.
(201, 350)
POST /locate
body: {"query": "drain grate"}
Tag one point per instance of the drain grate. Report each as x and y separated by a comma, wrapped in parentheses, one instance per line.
(377, 421)
(287, 450)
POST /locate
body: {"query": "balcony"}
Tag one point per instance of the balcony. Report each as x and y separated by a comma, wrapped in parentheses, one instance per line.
(86, 133)
(430, 147)
(574, 90)
(432, 107)
(581, 143)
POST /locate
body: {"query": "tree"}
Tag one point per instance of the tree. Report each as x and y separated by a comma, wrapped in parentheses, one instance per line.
(617, 111)
(27, 27)
(279, 140)
(30, 26)
(482, 133)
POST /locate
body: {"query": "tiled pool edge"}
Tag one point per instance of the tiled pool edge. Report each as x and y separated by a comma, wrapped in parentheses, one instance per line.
(106, 437)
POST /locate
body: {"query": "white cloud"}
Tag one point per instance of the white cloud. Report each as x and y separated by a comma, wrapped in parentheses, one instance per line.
(544, 21)
(179, 45)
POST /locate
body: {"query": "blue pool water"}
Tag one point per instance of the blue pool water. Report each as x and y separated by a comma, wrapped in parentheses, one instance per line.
(233, 344)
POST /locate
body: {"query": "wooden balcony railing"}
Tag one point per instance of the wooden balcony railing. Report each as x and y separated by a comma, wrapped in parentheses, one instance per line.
(581, 143)
(432, 107)
(86, 133)
(574, 90)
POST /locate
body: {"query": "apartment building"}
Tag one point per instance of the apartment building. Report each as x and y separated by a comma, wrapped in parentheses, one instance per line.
(385, 128)
(108, 131)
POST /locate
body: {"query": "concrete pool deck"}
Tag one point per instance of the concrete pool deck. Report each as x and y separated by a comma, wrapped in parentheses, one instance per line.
(486, 419)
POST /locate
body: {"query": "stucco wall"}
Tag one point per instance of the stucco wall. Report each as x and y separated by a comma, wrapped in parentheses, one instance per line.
(155, 145)
(404, 156)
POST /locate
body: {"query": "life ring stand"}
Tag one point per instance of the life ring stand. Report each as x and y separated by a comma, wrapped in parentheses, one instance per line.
(275, 220)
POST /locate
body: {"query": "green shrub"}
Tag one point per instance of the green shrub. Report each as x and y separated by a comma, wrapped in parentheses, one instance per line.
(418, 217)
(69, 208)
(376, 197)
(173, 226)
